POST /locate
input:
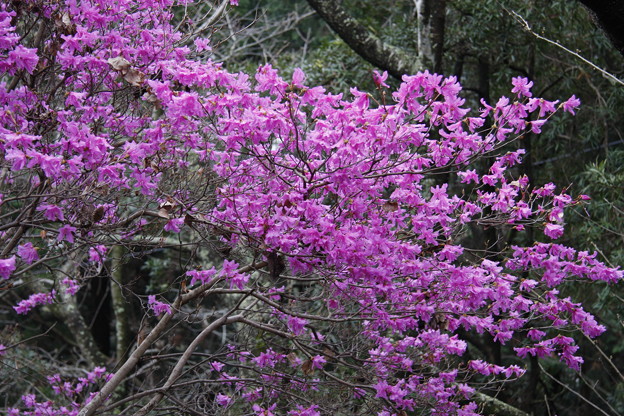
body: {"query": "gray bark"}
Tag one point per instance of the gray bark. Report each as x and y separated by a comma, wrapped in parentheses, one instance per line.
(120, 304)
(396, 61)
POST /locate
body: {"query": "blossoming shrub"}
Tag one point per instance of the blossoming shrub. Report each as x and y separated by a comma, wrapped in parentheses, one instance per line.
(354, 282)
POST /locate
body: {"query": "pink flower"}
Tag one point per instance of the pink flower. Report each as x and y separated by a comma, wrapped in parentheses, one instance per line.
(51, 212)
(379, 79)
(7, 266)
(66, 233)
(522, 86)
(96, 254)
(174, 225)
(536, 126)
(223, 400)
(535, 334)
(553, 231)
(72, 286)
(298, 78)
(296, 325)
(28, 253)
(158, 307)
(24, 58)
(24, 306)
(318, 361)
(260, 411)
(202, 276)
(217, 366)
(469, 176)
(202, 44)
(571, 104)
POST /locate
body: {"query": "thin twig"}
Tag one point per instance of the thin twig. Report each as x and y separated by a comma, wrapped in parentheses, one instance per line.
(580, 396)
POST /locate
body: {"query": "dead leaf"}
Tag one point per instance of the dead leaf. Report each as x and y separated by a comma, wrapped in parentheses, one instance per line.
(390, 206)
(119, 64)
(307, 367)
(98, 214)
(163, 213)
(134, 77)
(292, 359)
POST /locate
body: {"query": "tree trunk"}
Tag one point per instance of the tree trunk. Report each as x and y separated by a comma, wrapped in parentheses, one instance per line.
(395, 60)
(123, 336)
(609, 15)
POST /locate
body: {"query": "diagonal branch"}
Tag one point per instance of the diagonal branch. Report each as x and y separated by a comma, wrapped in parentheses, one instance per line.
(395, 60)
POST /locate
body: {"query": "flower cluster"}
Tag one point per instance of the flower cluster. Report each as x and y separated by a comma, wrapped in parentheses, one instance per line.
(72, 393)
(157, 307)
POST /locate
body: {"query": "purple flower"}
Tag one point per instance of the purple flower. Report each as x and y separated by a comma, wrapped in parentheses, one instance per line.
(469, 176)
(202, 276)
(72, 286)
(66, 233)
(553, 231)
(51, 212)
(571, 104)
(174, 225)
(298, 78)
(217, 366)
(318, 361)
(96, 254)
(296, 325)
(522, 86)
(24, 58)
(223, 400)
(380, 79)
(28, 253)
(7, 266)
(24, 306)
(158, 307)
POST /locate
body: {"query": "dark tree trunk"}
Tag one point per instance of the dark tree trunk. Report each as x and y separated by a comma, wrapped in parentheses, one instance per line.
(438, 22)
(609, 15)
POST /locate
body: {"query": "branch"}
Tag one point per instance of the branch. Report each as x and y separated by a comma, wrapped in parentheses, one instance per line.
(492, 405)
(155, 333)
(527, 28)
(395, 60)
(177, 370)
(580, 396)
(132, 361)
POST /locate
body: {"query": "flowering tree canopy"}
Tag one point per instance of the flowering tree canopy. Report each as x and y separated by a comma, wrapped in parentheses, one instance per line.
(343, 255)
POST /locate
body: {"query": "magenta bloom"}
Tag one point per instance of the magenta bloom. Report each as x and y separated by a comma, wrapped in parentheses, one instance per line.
(571, 104)
(24, 58)
(7, 266)
(158, 307)
(553, 231)
(174, 225)
(296, 325)
(522, 86)
(66, 233)
(96, 254)
(28, 253)
(51, 212)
